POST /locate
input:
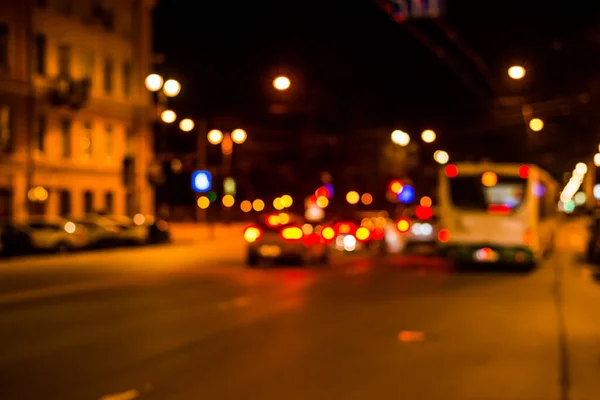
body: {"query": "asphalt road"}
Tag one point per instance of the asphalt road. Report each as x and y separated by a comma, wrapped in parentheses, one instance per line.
(180, 322)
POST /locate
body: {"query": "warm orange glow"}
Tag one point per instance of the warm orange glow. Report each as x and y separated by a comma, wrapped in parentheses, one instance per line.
(186, 125)
(528, 238)
(281, 83)
(283, 218)
(426, 201)
(215, 136)
(228, 200)
(252, 234)
(396, 187)
(366, 199)
(258, 205)
(239, 136)
(154, 82)
(203, 202)
(536, 124)
(287, 200)
(292, 233)
(168, 116)
(171, 88)
(428, 136)
(278, 204)
(516, 72)
(489, 179)
(246, 206)
(272, 220)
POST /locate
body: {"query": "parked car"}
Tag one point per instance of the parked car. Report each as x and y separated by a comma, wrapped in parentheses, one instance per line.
(102, 232)
(60, 235)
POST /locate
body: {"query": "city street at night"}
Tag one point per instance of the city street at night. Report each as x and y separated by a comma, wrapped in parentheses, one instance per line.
(168, 322)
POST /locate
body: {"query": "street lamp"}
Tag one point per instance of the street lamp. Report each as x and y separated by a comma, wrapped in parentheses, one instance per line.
(281, 83)
(400, 138)
(441, 157)
(186, 125)
(239, 136)
(168, 116)
(171, 88)
(154, 82)
(516, 72)
(536, 124)
(428, 136)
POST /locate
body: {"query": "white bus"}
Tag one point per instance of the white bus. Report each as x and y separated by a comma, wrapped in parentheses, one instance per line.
(499, 213)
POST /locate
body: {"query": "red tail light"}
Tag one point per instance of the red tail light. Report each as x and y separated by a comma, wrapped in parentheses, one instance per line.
(292, 233)
(252, 234)
(345, 228)
(403, 225)
(378, 234)
(500, 209)
(444, 235)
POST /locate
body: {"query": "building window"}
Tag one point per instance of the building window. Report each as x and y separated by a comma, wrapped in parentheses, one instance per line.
(127, 79)
(3, 46)
(64, 203)
(5, 128)
(87, 65)
(40, 134)
(108, 75)
(65, 137)
(86, 140)
(109, 202)
(109, 141)
(64, 6)
(64, 60)
(40, 54)
(88, 202)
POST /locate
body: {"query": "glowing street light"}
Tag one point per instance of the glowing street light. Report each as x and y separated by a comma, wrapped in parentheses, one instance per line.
(597, 159)
(536, 124)
(441, 157)
(215, 136)
(171, 88)
(516, 72)
(400, 138)
(581, 168)
(239, 136)
(154, 82)
(168, 116)
(186, 125)
(281, 83)
(428, 136)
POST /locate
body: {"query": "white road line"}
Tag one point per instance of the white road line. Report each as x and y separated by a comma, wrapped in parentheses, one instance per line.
(128, 395)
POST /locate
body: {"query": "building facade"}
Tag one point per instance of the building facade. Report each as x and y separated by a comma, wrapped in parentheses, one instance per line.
(73, 107)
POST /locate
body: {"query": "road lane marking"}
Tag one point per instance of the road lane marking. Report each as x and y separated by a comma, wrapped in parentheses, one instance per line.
(128, 395)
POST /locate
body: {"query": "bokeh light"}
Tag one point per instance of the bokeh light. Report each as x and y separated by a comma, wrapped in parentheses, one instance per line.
(352, 197)
(228, 200)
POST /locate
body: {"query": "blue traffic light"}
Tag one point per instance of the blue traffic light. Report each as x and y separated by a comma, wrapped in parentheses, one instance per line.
(407, 195)
(201, 181)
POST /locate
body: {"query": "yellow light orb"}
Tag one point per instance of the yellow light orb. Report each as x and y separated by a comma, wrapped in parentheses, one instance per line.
(215, 136)
(239, 136)
(516, 72)
(168, 116)
(171, 88)
(400, 138)
(228, 200)
(428, 136)
(203, 202)
(352, 197)
(322, 201)
(154, 82)
(287, 200)
(441, 157)
(597, 159)
(536, 124)
(258, 205)
(278, 204)
(283, 218)
(281, 83)
(186, 125)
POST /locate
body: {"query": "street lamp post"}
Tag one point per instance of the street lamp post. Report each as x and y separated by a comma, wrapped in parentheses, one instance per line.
(226, 140)
(164, 90)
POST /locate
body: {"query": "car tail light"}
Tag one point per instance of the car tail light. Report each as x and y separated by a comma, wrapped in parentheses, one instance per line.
(252, 234)
(403, 225)
(293, 233)
(499, 209)
(444, 235)
(378, 234)
(328, 234)
(363, 234)
(528, 238)
(345, 228)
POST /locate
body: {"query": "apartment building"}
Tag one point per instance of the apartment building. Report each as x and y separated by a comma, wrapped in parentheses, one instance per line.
(73, 106)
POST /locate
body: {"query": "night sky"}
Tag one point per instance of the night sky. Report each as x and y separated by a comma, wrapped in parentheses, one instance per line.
(357, 75)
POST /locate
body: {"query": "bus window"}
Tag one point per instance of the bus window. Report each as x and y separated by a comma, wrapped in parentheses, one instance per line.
(468, 192)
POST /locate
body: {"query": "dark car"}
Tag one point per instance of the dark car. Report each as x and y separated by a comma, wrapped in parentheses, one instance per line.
(14, 240)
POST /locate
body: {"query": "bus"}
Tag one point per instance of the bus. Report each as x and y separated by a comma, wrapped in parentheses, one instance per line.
(496, 213)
